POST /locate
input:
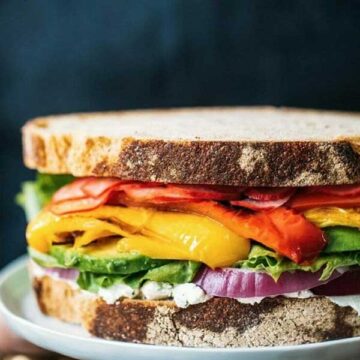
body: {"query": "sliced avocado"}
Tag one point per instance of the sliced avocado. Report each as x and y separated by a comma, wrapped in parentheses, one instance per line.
(341, 239)
(103, 258)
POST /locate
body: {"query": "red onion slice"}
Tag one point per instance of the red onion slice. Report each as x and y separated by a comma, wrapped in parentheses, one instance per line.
(266, 201)
(269, 194)
(260, 205)
(338, 190)
(238, 283)
(65, 274)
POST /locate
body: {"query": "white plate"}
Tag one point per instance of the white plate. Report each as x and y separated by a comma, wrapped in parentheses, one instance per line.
(18, 305)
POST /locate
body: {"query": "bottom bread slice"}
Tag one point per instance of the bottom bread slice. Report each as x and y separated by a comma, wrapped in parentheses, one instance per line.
(219, 322)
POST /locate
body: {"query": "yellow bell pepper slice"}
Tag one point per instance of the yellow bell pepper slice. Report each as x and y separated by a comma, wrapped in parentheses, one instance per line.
(157, 234)
(188, 237)
(48, 228)
(333, 216)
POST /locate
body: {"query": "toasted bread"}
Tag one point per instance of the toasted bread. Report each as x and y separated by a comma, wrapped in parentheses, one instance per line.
(222, 146)
(219, 322)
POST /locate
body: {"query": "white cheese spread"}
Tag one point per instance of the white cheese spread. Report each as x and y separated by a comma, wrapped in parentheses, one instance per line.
(189, 294)
(153, 290)
(256, 300)
(183, 295)
(116, 292)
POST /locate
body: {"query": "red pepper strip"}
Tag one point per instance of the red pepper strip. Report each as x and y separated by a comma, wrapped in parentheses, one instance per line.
(150, 192)
(306, 200)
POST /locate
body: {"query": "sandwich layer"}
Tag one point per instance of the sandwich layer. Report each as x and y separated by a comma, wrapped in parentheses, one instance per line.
(219, 322)
(222, 146)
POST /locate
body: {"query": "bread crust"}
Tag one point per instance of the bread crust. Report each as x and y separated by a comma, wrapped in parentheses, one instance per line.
(219, 162)
(218, 322)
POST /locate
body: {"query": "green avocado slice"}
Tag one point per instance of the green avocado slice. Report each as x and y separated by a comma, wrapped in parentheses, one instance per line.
(103, 259)
(176, 272)
(101, 266)
(341, 239)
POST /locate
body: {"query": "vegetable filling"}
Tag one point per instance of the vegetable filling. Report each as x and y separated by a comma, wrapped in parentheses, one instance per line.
(229, 241)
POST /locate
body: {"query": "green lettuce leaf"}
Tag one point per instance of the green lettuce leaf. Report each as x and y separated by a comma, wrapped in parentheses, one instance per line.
(177, 272)
(34, 195)
(263, 259)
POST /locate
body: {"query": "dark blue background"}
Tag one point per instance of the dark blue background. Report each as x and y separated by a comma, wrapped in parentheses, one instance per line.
(63, 56)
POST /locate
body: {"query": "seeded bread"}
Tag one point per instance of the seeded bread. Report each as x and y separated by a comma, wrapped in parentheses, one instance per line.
(223, 146)
(218, 322)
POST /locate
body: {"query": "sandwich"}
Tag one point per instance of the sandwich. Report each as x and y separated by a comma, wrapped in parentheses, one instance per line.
(219, 227)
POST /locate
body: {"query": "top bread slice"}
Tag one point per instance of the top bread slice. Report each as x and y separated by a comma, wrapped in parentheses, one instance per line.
(253, 146)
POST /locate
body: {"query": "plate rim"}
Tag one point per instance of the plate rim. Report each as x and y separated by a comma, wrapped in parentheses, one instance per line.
(19, 265)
